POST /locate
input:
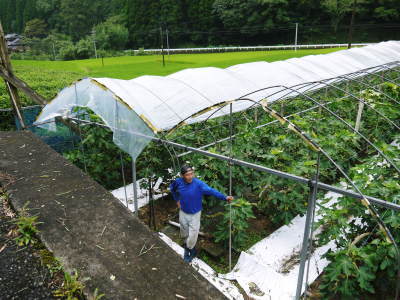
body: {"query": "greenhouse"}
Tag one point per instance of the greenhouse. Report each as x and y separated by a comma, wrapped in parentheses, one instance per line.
(193, 95)
(316, 136)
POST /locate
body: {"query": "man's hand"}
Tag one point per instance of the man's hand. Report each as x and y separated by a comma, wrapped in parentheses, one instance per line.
(229, 198)
(178, 204)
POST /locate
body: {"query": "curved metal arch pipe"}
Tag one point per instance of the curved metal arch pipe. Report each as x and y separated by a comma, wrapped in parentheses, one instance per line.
(364, 71)
(389, 67)
(312, 84)
(380, 76)
(225, 103)
(314, 145)
(364, 200)
(346, 123)
(250, 107)
(309, 86)
(222, 104)
(371, 87)
(367, 104)
(353, 129)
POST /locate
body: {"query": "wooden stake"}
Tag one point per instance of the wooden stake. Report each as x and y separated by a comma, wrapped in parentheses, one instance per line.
(359, 113)
(7, 69)
(21, 85)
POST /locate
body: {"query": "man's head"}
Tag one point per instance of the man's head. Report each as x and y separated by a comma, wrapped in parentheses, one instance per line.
(187, 173)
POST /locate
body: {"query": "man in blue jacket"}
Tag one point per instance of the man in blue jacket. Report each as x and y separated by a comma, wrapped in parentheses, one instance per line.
(188, 193)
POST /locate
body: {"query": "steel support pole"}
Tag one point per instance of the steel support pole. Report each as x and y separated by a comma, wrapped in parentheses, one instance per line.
(135, 198)
(123, 178)
(307, 232)
(230, 188)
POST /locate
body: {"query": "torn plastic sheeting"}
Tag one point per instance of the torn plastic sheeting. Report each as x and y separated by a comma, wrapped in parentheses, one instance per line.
(269, 269)
(263, 282)
(223, 285)
(143, 195)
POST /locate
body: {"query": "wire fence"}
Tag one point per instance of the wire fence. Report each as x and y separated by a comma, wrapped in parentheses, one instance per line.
(245, 48)
(61, 140)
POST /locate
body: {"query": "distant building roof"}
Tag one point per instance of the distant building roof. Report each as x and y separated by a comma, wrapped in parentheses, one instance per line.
(12, 36)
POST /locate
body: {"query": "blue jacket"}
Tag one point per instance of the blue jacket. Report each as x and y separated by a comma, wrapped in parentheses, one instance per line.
(191, 194)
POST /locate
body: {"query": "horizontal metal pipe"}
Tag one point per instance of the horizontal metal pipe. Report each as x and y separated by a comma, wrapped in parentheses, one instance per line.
(281, 174)
(253, 166)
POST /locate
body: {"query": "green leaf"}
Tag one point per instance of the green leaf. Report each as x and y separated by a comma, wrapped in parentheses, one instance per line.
(365, 277)
(276, 151)
(310, 162)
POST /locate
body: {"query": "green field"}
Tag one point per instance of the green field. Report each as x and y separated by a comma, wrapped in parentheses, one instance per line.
(48, 77)
(128, 67)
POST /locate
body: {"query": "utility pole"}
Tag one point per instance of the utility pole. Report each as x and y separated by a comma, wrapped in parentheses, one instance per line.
(162, 46)
(94, 42)
(54, 51)
(295, 37)
(5, 66)
(166, 31)
(353, 13)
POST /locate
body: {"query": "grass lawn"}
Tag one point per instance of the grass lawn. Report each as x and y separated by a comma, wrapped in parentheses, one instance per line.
(49, 77)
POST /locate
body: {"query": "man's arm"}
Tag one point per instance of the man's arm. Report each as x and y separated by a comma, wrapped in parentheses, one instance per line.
(173, 188)
(209, 191)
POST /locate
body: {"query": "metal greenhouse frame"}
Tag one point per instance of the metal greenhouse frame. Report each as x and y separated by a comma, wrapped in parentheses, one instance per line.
(314, 183)
(313, 91)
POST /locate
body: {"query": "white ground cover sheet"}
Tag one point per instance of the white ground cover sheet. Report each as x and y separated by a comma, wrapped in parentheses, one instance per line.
(143, 195)
(267, 270)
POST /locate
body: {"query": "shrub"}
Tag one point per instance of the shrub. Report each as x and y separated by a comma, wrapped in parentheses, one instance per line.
(111, 35)
(241, 211)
